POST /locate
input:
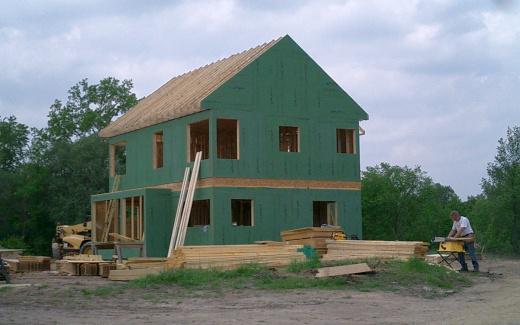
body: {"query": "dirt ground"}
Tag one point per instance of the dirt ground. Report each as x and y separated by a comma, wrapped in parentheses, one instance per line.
(57, 299)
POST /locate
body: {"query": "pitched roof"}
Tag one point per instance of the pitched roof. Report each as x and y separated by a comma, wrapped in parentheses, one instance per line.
(183, 94)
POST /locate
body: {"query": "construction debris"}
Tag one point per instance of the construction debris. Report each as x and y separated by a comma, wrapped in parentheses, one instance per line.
(29, 264)
(343, 270)
(232, 256)
(106, 268)
(360, 249)
(144, 262)
(127, 275)
(83, 257)
(82, 264)
(312, 236)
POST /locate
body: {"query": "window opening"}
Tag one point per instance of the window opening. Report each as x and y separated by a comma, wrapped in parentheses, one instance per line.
(199, 139)
(227, 139)
(242, 212)
(324, 213)
(345, 141)
(118, 159)
(289, 138)
(199, 215)
(158, 156)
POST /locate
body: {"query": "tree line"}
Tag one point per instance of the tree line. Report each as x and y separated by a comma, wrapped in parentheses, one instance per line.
(48, 174)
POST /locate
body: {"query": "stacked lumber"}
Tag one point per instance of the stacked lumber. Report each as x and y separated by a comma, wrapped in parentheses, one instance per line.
(232, 256)
(312, 236)
(144, 262)
(81, 265)
(29, 264)
(83, 257)
(359, 249)
(105, 268)
(127, 275)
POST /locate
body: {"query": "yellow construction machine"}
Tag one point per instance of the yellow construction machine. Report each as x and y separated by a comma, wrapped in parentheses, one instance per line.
(72, 239)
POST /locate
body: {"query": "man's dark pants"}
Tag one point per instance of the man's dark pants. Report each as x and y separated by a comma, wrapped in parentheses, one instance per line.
(470, 248)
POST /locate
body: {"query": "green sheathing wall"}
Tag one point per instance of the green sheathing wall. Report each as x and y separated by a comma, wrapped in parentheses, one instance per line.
(260, 156)
(276, 210)
(285, 86)
(158, 222)
(202, 235)
(139, 153)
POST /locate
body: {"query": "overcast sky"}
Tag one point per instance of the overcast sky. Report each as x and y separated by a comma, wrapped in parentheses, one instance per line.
(440, 79)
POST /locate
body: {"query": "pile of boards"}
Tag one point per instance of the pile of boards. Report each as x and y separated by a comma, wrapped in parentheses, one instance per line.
(360, 249)
(312, 236)
(231, 256)
(85, 265)
(29, 264)
(137, 267)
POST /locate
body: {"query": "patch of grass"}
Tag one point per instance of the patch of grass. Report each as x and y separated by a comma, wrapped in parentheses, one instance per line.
(307, 265)
(415, 277)
(201, 278)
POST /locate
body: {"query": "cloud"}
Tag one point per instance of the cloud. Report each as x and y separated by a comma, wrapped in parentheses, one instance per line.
(439, 79)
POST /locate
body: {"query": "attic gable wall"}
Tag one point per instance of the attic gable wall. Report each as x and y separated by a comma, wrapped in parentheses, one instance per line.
(285, 81)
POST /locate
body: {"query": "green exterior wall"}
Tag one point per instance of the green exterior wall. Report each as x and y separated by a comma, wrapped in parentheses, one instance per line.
(282, 87)
(276, 210)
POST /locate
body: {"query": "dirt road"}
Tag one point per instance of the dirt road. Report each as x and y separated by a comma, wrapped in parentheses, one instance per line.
(59, 300)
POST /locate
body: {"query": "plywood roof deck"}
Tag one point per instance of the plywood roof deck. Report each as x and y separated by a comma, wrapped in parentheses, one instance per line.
(183, 94)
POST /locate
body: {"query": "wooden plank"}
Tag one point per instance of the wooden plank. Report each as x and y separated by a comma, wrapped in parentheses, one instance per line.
(343, 270)
(189, 201)
(127, 275)
(132, 217)
(111, 206)
(178, 213)
(122, 207)
(83, 257)
(89, 269)
(268, 183)
(105, 268)
(140, 218)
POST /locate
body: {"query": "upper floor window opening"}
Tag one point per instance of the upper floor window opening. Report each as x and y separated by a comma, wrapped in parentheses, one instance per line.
(198, 139)
(227, 139)
(289, 138)
(345, 141)
(118, 159)
(158, 147)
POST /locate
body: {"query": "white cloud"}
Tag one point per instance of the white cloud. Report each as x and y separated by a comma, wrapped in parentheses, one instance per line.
(439, 79)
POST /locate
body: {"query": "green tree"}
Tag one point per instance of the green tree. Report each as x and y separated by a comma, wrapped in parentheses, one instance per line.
(401, 203)
(89, 108)
(69, 148)
(65, 164)
(502, 191)
(13, 143)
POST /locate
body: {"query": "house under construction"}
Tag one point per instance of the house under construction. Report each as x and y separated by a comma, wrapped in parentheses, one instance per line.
(280, 150)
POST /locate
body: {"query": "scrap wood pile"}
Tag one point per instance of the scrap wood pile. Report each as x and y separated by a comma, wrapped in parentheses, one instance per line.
(312, 236)
(137, 267)
(359, 249)
(29, 264)
(84, 265)
(232, 256)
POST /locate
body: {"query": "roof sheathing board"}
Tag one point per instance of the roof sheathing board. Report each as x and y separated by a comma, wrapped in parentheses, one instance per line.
(183, 94)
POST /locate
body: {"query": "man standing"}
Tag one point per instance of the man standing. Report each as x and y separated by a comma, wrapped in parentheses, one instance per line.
(462, 229)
